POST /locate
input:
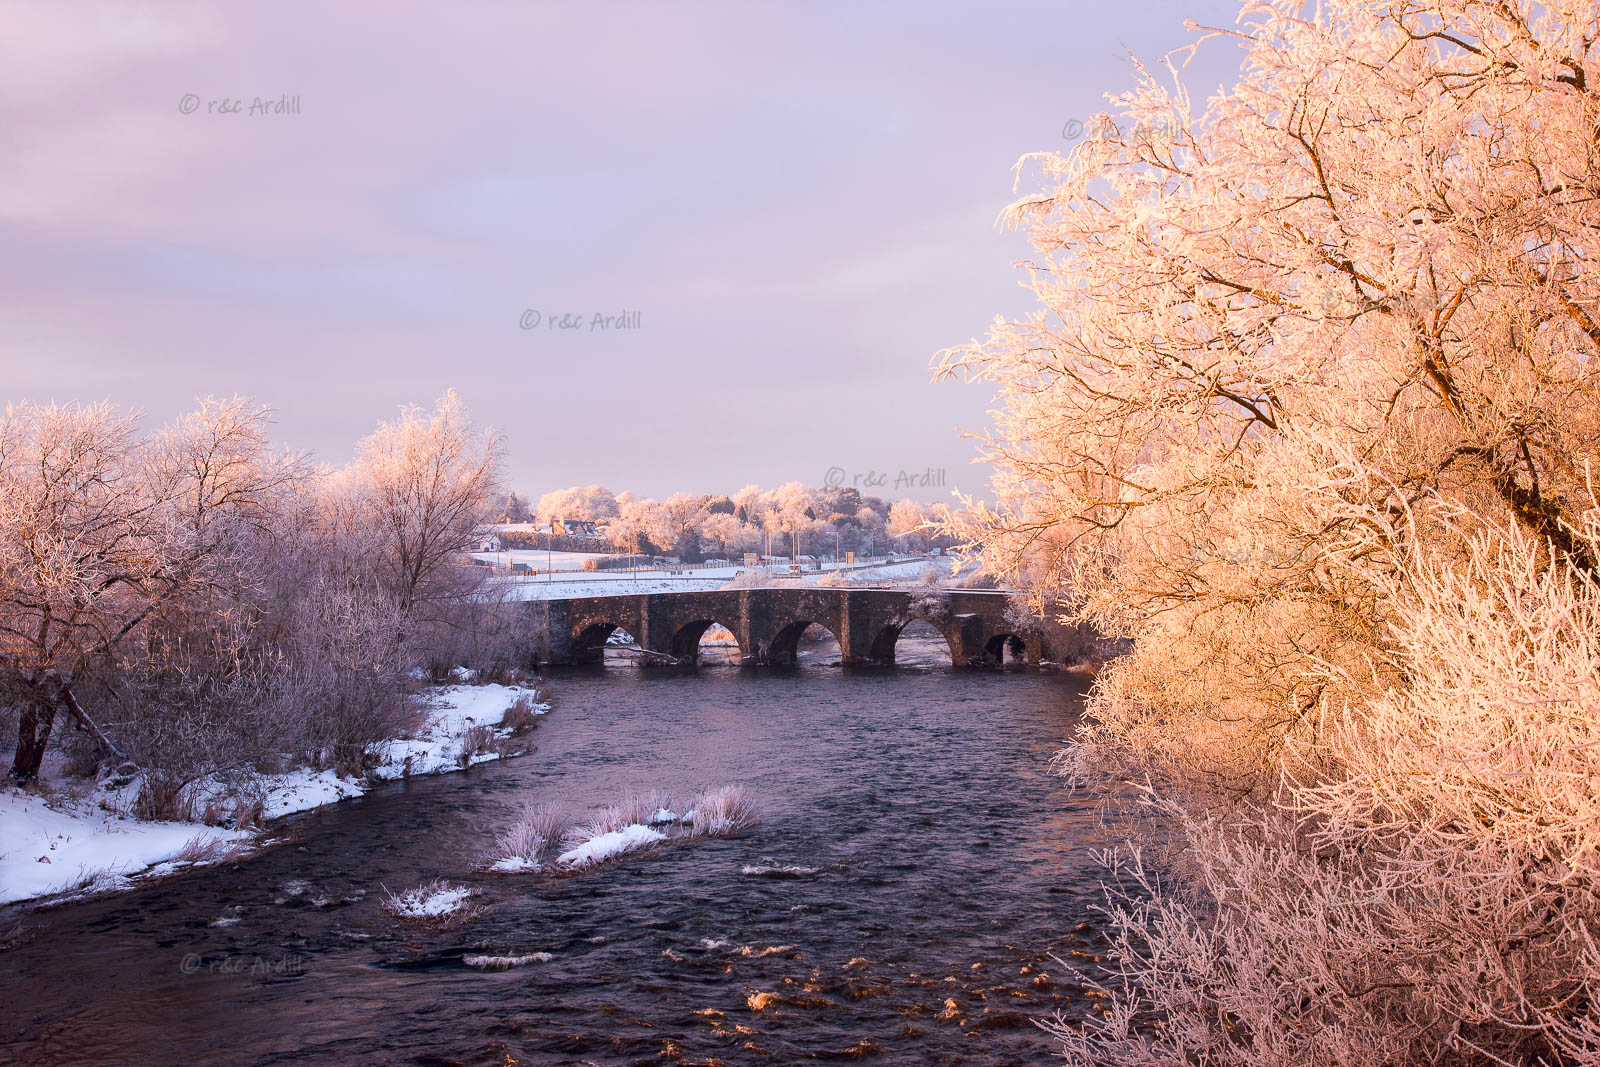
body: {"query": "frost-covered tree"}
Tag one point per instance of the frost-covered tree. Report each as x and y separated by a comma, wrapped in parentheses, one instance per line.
(906, 521)
(102, 532)
(1308, 412)
(578, 502)
(426, 482)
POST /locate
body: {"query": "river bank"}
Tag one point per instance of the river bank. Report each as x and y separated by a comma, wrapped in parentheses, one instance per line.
(68, 841)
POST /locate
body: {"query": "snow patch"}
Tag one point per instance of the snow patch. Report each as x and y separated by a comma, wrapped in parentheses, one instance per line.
(433, 901)
(66, 844)
(605, 846)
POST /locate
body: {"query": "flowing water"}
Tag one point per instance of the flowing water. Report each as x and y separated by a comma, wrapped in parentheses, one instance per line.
(916, 873)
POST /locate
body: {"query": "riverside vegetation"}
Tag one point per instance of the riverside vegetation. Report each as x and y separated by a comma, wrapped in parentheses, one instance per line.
(1309, 415)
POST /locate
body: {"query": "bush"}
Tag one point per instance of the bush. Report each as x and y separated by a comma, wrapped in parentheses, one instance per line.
(537, 832)
(490, 634)
(477, 740)
(523, 713)
(163, 798)
(616, 563)
(727, 810)
(438, 903)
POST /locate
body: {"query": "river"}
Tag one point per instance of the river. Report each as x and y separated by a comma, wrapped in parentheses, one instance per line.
(939, 866)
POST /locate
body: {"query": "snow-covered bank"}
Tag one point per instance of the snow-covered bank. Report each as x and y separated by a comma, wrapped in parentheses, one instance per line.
(442, 744)
(60, 843)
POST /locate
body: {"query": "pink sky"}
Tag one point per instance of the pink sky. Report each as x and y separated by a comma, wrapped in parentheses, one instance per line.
(798, 201)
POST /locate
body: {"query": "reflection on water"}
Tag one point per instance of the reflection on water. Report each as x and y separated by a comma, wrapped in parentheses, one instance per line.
(915, 872)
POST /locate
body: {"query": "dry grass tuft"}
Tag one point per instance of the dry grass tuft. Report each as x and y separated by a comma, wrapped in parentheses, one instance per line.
(523, 714)
(726, 810)
(538, 831)
(438, 903)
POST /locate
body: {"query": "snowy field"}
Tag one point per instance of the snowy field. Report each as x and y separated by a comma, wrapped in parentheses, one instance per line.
(606, 583)
(66, 844)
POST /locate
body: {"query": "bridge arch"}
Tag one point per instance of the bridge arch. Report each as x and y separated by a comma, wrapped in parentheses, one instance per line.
(784, 648)
(1007, 650)
(589, 640)
(886, 640)
(685, 644)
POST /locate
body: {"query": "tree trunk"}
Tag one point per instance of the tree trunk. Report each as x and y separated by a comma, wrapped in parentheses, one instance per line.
(33, 734)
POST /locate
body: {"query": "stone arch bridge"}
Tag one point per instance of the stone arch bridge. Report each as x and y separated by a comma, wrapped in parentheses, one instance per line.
(767, 623)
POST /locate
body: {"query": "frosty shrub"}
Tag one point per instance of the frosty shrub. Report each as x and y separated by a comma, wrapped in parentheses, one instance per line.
(725, 810)
(1430, 855)
(537, 833)
(638, 808)
(164, 798)
(930, 598)
(477, 740)
(204, 849)
(438, 904)
(523, 713)
(483, 631)
(1309, 416)
(634, 809)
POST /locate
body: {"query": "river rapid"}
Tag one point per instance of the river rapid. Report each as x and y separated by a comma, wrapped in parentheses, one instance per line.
(916, 874)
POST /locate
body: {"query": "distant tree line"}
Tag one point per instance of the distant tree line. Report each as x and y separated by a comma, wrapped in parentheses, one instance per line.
(694, 527)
